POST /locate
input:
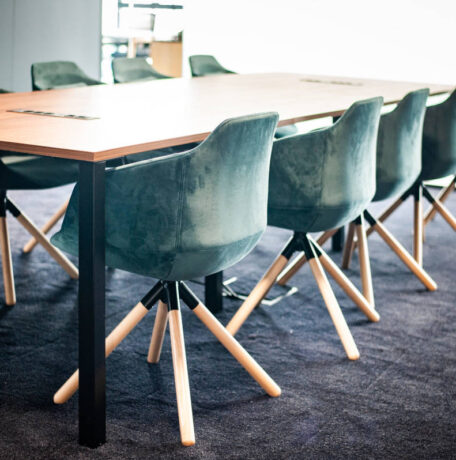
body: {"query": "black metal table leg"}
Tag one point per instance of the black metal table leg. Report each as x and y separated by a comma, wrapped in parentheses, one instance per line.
(214, 292)
(92, 400)
(338, 239)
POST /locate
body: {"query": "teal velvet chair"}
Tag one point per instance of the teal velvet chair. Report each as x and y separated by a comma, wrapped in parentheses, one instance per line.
(205, 64)
(398, 168)
(398, 171)
(28, 172)
(320, 181)
(59, 74)
(126, 70)
(439, 155)
(181, 217)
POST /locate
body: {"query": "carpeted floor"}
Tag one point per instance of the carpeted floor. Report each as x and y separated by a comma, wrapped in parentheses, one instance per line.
(397, 401)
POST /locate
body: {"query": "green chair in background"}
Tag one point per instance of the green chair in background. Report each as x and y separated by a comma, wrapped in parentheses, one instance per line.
(59, 74)
(4, 91)
(205, 64)
(399, 167)
(28, 172)
(126, 70)
(435, 143)
(194, 214)
(439, 155)
(319, 181)
(397, 170)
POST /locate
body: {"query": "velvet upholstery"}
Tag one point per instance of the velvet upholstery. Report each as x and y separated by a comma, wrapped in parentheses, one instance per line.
(59, 74)
(29, 172)
(399, 146)
(204, 64)
(189, 214)
(439, 140)
(134, 69)
(326, 178)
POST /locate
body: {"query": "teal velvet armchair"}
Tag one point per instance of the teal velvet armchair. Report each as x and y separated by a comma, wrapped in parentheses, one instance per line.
(398, 167)
(28, 172)
(59, 74)
(319, 181)
(400, 175)
(439, 155)
(125, 70)
(205, 64)
(180, 217)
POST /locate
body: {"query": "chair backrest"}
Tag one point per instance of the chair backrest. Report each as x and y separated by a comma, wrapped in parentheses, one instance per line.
(324, 179)
(59, 74)
(439, 140)
(189, 214)
(133, 69)
(399, 146)
(205, 64)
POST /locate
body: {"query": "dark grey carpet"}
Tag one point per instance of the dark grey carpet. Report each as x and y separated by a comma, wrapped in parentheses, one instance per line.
(397, 401)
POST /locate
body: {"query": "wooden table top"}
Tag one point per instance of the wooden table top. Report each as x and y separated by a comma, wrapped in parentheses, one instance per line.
(137, 117)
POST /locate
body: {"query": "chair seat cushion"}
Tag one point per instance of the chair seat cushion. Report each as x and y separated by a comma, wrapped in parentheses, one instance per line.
(23, 172)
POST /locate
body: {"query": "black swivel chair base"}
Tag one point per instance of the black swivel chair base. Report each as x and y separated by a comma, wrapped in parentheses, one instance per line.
(168, 294)
(7, 266)
(318, 261)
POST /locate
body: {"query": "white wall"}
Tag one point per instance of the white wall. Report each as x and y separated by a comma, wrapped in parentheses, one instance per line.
(47, 30)
(390, 39)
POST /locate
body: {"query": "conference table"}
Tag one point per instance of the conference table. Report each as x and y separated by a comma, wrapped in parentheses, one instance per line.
(98, 123)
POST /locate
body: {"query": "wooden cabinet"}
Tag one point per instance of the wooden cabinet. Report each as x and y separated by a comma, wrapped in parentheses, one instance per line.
(167, 57)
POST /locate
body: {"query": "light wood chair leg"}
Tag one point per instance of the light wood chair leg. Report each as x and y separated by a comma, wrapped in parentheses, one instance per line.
(418, 227)
(57, 255)
(387, 212)
(235, 348)
(349, 288)
(47, 227)
(441, 209)
(7, 264)
(158, 334)
(406, 258)
(334, 310)
(348, 247)
(69, 388)
(442, 197)
(257, 295)
(364, 263)
(300, 260)
(184, 402)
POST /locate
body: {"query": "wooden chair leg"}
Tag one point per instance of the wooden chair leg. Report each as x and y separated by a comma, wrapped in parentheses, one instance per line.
(339, 277)
(230, 343)
(114, 339)
(387, 213)
(441, 209)
(300, 260)
(442, 197)
(364, 263)
(158, 334)
(47, 227)
(258, 293)
(7, 264)
(418, 227)
(57, 255)
(348, 247)
(334, 309)
(406, 258)
(184, 402)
